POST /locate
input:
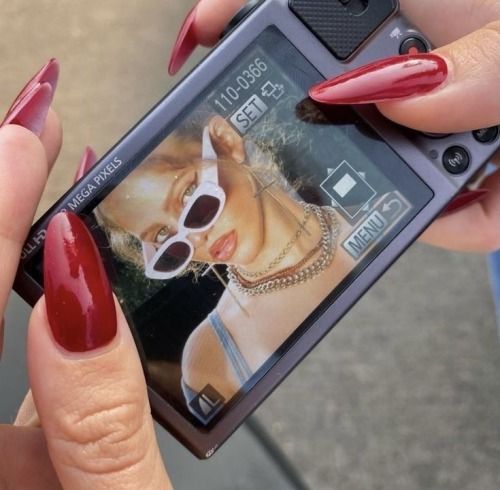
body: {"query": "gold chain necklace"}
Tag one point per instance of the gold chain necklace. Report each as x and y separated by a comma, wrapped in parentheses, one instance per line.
(330, 230)
(278, 275)
(286, 250)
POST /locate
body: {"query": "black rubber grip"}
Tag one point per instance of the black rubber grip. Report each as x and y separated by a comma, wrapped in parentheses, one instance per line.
(343, 25)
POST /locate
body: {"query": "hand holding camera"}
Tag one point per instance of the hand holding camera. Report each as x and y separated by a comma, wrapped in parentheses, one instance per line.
(85, 441)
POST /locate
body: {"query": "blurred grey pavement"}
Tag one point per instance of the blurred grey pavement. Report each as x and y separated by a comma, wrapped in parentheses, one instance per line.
(403, 394)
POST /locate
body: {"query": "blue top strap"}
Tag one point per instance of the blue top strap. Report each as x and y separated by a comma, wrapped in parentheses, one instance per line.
(233, 353)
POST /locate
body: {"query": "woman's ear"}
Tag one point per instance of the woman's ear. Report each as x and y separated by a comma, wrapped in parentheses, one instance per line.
(226, 141)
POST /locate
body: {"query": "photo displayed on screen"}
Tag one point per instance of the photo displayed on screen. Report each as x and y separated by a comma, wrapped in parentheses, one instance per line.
(256, 208)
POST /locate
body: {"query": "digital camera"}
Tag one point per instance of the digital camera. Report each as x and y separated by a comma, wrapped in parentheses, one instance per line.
(239, 220)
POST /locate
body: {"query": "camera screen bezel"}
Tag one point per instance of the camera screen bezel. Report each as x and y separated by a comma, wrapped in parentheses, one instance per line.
(159, 122)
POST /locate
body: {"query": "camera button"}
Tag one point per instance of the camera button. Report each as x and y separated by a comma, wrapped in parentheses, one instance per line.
(486, 135)
(436, 136)
(456, 160)
(413, 45)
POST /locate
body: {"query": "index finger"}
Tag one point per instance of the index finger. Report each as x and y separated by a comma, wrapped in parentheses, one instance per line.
(23, 173)
(25, 161)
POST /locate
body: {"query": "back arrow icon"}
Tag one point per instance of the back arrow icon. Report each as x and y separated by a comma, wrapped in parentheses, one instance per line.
(390, 205)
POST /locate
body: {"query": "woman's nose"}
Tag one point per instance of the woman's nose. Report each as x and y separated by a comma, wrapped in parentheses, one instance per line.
(197, 239)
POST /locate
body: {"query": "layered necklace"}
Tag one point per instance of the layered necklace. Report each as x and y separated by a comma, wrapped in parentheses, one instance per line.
(254, 284)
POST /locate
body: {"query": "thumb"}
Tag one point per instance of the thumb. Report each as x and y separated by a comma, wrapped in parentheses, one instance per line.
(85, 372)
(469, 99)
(453, 89)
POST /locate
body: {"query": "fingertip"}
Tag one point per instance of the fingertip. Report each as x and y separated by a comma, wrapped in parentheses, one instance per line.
(51, 137)
(22, 151)
(423, 111)
(212, 17)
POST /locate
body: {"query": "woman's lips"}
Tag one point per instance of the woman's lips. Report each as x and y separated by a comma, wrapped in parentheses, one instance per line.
(223, 249)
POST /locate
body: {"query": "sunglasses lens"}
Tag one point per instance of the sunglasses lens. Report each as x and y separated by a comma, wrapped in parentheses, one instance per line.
(202, 212)
(173, 257)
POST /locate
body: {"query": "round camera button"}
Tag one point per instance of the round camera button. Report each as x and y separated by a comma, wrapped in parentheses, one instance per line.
(486, 135)
(413, 45)
(456, 160)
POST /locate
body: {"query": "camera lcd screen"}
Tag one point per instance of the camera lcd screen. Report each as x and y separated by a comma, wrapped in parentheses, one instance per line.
(255, 212)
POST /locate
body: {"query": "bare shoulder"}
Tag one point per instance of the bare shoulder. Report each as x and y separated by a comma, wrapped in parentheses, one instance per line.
(204, 362)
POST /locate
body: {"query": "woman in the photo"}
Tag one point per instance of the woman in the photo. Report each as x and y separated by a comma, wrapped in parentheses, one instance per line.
(197, 200)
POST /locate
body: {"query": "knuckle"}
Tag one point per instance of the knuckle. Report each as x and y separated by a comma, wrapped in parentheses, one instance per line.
(106, 438)
(481, 49)
(484, 50)
(489, 41)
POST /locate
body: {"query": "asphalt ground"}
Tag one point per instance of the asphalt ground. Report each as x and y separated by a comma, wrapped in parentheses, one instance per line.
(404, 393)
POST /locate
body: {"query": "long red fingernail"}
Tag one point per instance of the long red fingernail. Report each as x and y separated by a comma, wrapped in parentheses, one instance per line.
(31, 105)
(464, 200)
(80, 306)
(388, 79)
(49, 73)
(31, 111)
(87, 161)
(185, 44)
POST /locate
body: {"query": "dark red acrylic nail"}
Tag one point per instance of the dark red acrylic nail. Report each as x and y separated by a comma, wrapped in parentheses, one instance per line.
(80, 306)
(185, 44)
(388, 79)
(31, 111)
(49, 73)
(464, 200)
(87, 161)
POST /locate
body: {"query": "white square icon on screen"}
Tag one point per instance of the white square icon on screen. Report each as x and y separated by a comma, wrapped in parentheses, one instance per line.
(348, 189)
(345, 185)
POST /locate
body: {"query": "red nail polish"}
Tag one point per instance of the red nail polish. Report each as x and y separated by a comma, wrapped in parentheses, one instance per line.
(388, 79)
(185, 44)
(464, 200)
(87, 161)
(80, 306)
(49, 73)
(31, 111)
